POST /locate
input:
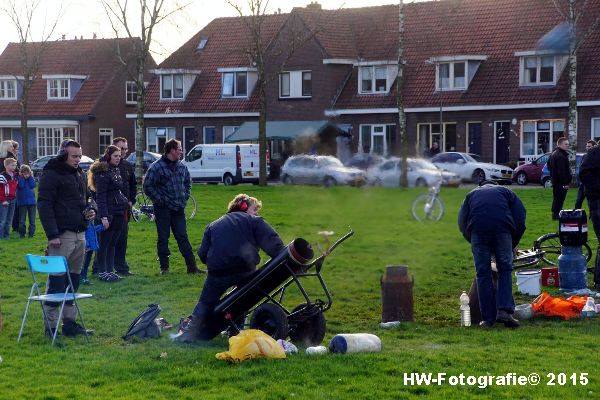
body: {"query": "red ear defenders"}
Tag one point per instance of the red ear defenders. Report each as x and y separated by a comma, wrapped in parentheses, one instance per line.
(243, 205)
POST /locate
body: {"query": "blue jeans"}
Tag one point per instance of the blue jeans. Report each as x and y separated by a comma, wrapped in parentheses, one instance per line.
(6, 216)
(29, 212)
(483, 246)
(168, 220)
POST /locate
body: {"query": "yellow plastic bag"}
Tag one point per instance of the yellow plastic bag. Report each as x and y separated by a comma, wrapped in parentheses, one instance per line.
(249, 344)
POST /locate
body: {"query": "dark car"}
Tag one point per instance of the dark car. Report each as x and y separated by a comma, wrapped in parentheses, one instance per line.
(149, 158)
(531, 171)
(38, 165)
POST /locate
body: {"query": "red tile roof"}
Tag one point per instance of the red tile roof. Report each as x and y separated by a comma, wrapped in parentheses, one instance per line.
(94, 58)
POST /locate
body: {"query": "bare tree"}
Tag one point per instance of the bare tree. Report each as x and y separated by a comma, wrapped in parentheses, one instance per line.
(124, 18)
(402, 134)
(573, 12)
(31, 54)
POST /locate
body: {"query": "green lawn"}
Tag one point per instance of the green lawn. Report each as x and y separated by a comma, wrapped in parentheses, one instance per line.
(437, 256)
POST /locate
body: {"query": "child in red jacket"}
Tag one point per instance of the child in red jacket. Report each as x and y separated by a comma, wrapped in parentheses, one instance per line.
(8, 196)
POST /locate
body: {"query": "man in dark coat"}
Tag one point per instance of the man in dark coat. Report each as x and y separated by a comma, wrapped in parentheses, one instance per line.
(492, 219)
(64, 214)
(589, 175)
(560, 173)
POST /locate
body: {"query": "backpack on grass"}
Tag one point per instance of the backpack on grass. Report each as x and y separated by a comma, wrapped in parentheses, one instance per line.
(145, 325)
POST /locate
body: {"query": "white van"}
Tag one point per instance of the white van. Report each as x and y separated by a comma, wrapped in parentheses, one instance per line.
(227, 163)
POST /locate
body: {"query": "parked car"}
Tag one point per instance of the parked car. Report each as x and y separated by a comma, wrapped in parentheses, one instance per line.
(364, 161)
(476, 157)
(421, 172)
(546, 181)
(531, 172)
(320, 170)
(149, 158)
(468, 169)
(38, 165)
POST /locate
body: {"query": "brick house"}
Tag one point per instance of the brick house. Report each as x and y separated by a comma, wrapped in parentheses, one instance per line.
(81, 92)
(473, 68)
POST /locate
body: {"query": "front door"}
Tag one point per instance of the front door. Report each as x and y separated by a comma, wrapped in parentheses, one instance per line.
(502, 141)
(189, 138)
(474, 141)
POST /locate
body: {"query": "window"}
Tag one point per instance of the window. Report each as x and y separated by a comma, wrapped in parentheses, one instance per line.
(8, 89)
(130, 92)
(157, 137)
(284, 84)
(306, 83)
(235, 84)
(429, 133)
(538, 70)
(596, 128)
(228, 130)
(58, 89)
(49, 139)
(452, 76)
(377, 139)
(104, 139)
(539, 137)
(202, 43)
(295, 84)
(171, 86)
(373, 79)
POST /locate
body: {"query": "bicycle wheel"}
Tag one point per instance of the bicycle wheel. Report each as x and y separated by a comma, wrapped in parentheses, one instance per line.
(526, 258)
(550, 245)
(190, 208)
(426, 208)
(142, 208)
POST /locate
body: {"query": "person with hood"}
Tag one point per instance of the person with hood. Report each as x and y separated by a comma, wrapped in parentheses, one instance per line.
(105, 180)
(64, 211)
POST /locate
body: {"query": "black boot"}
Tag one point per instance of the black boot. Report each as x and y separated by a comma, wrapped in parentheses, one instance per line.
(192, 268)
(164, 265)
(507, 319)
(72, 328)
(189, 330)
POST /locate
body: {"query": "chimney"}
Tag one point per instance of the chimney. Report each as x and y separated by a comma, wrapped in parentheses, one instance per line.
(314, 5)
(95, 36)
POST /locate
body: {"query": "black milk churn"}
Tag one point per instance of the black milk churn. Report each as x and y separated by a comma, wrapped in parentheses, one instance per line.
(396, 294)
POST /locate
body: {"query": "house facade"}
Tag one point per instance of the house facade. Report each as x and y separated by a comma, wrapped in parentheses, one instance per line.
(81, 92)
(476, 78)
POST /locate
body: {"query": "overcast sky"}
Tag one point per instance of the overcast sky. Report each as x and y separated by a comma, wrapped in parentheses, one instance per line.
(86, 17)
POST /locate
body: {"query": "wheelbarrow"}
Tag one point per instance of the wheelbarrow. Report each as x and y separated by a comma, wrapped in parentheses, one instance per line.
(264, 293)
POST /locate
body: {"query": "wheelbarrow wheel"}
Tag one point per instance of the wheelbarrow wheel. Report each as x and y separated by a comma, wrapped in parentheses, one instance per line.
(308, 328)
(270, 319)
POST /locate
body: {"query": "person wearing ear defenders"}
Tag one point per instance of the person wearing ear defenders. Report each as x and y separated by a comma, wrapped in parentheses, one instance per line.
(105, 179)
(230, 251)
(64, 213)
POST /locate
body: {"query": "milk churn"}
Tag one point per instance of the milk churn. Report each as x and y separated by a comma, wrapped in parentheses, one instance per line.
(396, 294)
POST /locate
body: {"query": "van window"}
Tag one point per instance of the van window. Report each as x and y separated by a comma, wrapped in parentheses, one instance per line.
(194, 154)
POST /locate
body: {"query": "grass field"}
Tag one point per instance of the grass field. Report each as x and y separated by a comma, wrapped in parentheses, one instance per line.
(437, 257)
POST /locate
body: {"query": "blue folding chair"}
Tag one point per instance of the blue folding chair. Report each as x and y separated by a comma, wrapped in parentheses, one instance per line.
(51, 265)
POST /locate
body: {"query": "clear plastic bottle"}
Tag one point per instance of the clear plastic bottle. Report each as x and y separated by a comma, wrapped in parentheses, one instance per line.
(589, 309)
(465, 310)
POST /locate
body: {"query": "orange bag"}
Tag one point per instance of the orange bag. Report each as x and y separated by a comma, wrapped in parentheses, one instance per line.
(558, 307)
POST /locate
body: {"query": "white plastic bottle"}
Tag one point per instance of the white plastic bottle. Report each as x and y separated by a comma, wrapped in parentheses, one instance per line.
(355, 343)
(465, 310)
(589, 310)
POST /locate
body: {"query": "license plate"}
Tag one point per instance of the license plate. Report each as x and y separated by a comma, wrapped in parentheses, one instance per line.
(507, 175)
(248, 173)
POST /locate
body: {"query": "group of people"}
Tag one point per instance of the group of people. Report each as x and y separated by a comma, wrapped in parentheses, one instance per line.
(17, 196)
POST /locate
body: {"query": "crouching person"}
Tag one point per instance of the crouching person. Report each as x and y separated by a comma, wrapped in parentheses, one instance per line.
(492, 219)
(62, 206)
(230, 251)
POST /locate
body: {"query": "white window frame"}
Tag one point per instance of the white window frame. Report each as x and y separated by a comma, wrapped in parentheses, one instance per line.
(234, 87)
(522, 71)
(104, 132)
(166, 130)
(228, 130)
(595, 123)
(537, 131)
(451, 77)
(50, 144)
(172, 88)
(373, 69)
(130, 95)
(60, 90)
(373, 134)
(5, 90)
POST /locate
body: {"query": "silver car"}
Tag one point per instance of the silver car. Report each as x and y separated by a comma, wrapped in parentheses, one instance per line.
(320, 170)
(421, 172)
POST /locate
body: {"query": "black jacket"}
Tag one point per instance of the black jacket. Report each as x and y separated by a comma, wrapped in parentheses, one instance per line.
(127, 171)
(560, 170)
(230, 244)
(492, 209)
(589, 173)
(109, 187)
(62, 199)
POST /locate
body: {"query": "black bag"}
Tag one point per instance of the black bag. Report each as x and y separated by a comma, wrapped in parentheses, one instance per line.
(145, 325)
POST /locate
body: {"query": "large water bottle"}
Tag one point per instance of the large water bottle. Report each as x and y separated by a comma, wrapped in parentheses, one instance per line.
(465, 310)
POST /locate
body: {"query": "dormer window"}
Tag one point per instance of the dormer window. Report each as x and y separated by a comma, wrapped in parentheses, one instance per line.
(171, 86)
(235, 84)
(8, 89)
(373, 79)
(58, 89)
(541, 67)
(452, 75)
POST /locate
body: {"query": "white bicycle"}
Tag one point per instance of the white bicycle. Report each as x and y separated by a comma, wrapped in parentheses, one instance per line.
(429, 207)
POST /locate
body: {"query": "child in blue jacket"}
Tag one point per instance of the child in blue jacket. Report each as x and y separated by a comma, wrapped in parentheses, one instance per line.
(26, 200)
(91, 245)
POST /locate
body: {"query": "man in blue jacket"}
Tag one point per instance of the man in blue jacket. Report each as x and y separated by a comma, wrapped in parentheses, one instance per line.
(230, 251)
(168, 184)
(492, 219)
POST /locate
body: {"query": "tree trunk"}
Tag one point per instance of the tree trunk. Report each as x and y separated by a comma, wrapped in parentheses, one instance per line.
(262, 128)
(400, 100)
(24, 133)
(139, 121)
(572, 70)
